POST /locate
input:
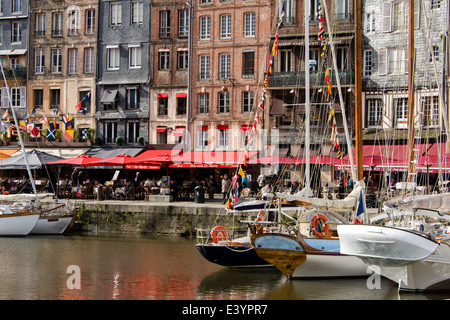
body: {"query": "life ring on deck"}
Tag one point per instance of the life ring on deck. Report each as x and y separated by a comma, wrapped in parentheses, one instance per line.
(317, 225)
(218, 232)
(260, 217)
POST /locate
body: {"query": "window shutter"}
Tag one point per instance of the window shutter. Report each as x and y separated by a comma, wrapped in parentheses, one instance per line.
(387, 20)
(23, 96)
(5, 101)
(382, 62)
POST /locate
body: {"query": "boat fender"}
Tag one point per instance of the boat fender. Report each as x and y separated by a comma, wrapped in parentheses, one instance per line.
(218, 232)
(317, 223)
(260, 217)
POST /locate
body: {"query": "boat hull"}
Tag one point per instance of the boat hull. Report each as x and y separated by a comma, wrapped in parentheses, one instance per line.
(52, 225)
(17, 224)
(309, 258)
(238, 256)
(384, 246)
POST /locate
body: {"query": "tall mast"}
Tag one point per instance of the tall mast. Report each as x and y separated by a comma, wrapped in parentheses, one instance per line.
(358, 92)
(307, 97)
(411, 102)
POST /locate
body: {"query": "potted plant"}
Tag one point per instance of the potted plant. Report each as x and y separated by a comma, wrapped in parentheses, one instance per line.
(140, 140)
(98, 141)
(119, 140)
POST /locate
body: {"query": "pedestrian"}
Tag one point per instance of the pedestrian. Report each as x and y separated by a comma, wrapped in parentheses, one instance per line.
(236, 184)
(137, 179)
(211, 184)
(226, 184)
(73, 177)
(79, 183)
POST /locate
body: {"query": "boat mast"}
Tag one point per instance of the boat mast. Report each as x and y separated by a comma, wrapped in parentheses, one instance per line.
(307, 97)
(411, 163)
(358, 92)
(20, 137)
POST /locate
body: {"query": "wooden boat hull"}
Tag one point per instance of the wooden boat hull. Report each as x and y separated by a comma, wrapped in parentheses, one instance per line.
(17, 224)
(237, 256)
(52, 225)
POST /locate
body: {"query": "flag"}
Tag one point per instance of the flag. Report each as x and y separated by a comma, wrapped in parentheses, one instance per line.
(68, 121)
(241, 172)
(280, 20)
(275, 45)
(78, 194)
(83, 111)
(56, 111)
(5, 114)
(35, 132)
(44, 120)
(327, 79)
(234, 198)
(78, 107)
(359, 217)
(331, 114)
(51, 131)
(33, 110)
(68, 135)
(266, 82)
(23, 125)
(86, 97)
(257, 120)
(8, 132)
(229, 206)
(84, 133)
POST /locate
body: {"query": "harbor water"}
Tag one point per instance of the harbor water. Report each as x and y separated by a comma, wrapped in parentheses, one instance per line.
(132, 267)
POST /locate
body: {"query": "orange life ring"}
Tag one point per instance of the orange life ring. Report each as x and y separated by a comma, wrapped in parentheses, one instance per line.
(218, 232)
(260, 217)
(316, 222)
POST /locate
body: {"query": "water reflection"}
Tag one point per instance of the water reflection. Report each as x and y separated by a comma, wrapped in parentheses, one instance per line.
(155, 267)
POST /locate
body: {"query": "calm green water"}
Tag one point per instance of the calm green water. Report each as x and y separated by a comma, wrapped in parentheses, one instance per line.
(153, 268)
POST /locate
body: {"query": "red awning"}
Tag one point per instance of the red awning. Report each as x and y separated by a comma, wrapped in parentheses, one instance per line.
(203, 128)
(179, 131)
(161, 129)
(163, 95)
(222, 127)
(245, 128)
(210, 159)
(181, 95)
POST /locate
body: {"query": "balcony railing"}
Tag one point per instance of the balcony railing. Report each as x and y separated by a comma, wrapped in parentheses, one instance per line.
(18, 72)
(316, 78)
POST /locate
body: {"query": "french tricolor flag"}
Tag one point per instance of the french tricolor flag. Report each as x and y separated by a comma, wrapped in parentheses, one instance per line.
(359, 218)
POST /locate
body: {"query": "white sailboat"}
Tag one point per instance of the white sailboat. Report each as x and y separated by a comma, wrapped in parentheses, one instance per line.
(416, 259)
(300, 255)
(22, 218)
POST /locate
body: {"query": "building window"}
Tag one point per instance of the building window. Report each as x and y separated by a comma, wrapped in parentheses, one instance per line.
(73, 57)
(113, 58)
(137, 12)
(181, 105)
(57, 27)
(225, 26)
(89, 60)
(161, 135)
(250, 22)
(38, 96)
(164, 24)
(288, 17)
(110, 131)
(374, 112)
(224, 102)
(430, 107)
(16, 35)
(132, 131)
(164, 57)
(134, 57)
(370, 22)
(399, 16)
(248, 68)
(285, 60)
(203, 103)
(16, 6)
(40, 25)
(342, 58)
(222, 136)
(398, 62)
(367, 63)
(39, 61)
(202, 136)
(204, 67)
(247, 101)
(401, 113)
(55, 98)
(115, 13)
(205, 28)
(224, 72)
(434, 53)
(163, 106)
(56, 60)
(183, 59)
(74, 22)
(342, 12)
(435, 4)
(90, 22)
(132, 98)
(183, 23)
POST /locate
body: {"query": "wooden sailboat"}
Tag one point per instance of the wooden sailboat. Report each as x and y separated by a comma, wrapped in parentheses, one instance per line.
(302, 256)
(416, 260)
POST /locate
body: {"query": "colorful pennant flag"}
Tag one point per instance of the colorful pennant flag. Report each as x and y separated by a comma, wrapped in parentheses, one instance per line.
(241, 172)
(51, 131)
(5, 114)
(69, 134)
(229, 206)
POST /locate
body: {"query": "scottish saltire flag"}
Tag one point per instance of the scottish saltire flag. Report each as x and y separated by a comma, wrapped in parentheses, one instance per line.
(359, 218)
(51, 131)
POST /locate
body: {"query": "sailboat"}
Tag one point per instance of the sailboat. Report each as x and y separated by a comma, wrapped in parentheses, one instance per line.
(415, 259)
(21, 218)
(315, 252)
